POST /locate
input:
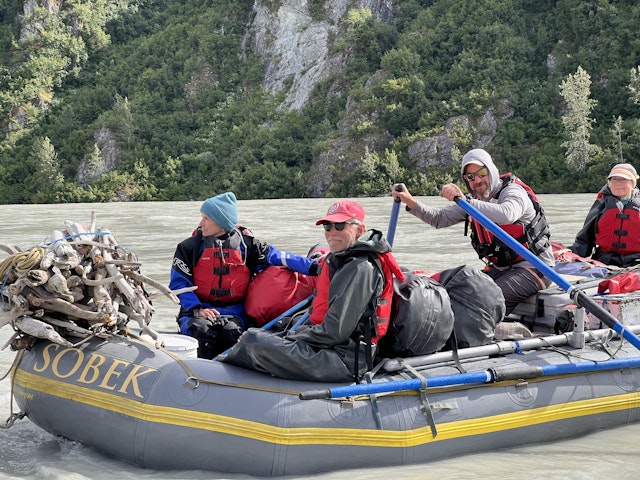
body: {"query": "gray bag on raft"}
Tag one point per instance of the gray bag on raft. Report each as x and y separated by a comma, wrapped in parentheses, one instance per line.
(477, 303)
(421, 318)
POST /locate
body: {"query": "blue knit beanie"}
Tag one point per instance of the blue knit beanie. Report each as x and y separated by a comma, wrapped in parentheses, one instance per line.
(222, 209)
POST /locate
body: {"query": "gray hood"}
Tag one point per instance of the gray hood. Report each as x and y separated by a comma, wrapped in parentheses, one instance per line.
(481, 156)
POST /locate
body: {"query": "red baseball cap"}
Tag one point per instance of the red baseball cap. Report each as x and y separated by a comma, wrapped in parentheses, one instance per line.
(343, 211)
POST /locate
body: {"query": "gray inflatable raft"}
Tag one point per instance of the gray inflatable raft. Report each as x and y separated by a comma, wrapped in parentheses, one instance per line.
(155, 409)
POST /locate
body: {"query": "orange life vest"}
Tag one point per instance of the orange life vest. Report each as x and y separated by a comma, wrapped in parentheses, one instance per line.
(221, 274)
(389, 268)
(619, 231)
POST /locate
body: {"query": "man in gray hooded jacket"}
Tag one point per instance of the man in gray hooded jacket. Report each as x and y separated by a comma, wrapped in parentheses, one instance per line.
(506, 201)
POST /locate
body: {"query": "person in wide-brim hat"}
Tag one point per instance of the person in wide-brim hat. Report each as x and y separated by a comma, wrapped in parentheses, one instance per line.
(611, 230)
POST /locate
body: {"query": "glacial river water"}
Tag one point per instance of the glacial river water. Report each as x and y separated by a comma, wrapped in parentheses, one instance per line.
(154, 229)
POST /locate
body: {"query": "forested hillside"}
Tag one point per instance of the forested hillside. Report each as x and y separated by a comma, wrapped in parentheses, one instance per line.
(175, 99)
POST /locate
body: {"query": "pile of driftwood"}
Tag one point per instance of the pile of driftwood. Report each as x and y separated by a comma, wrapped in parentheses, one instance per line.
(79, 283)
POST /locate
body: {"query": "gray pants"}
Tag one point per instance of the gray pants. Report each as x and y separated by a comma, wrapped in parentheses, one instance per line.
(518, 283)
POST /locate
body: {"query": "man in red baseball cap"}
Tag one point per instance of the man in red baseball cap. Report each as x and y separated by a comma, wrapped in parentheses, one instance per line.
(343, 224)
(350, 311)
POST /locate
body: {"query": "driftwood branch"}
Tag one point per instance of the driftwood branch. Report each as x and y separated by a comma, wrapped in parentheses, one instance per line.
(40, 329)
(152, 283)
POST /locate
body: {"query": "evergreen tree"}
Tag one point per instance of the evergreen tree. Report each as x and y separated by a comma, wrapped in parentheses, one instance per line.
(576, 90)
(95, 165)
(617, 132)
(122, 111)
(48, 182)
(634, 85)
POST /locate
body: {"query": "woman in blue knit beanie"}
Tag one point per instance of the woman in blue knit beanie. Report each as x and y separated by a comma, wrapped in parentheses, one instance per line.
(220, 259)
(222, 209)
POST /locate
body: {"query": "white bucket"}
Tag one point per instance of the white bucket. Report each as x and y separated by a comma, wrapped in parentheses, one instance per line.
(181, 345)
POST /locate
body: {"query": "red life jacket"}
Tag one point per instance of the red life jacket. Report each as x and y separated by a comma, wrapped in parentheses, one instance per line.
(389, 268)
(492, 249)
(320, 304)
(221, 273)
(619, 231)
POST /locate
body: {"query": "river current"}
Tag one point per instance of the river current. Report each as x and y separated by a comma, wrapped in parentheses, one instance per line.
(153, 229)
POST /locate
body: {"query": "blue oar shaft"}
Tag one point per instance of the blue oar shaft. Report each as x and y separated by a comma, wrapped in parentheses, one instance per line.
(300, 321)
(579, 297)
(393, 221)
(399, 385)
(292, 310)
(472, 378)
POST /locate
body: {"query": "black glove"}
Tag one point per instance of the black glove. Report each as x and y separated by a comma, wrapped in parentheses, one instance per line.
(219, 320)
(229, 334)
(315, 268)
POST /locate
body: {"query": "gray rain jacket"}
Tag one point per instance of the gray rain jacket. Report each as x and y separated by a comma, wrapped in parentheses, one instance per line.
(324, 352)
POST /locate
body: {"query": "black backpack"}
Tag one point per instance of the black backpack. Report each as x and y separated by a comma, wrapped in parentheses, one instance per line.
(477, 303)
(421, 318)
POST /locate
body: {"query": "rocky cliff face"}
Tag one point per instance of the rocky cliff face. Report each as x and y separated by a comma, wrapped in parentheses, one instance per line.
(296, 51)
(36, 23)
(295, 47)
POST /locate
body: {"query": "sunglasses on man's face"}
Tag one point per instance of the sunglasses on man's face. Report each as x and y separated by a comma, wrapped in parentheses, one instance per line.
(469, 177)
(339, 226)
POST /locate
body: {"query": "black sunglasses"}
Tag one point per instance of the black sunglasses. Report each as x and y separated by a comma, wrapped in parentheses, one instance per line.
(339, 226)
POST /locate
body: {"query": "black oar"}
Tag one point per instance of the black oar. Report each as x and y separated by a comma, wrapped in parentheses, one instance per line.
(578, 296)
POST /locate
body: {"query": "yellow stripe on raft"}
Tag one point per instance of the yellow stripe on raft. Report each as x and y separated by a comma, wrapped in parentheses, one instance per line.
(312, 436)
